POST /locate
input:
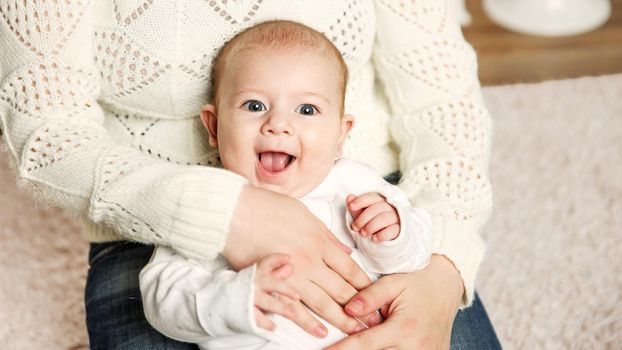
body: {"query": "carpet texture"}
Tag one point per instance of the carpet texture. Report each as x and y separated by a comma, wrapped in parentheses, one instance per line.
(552, 278)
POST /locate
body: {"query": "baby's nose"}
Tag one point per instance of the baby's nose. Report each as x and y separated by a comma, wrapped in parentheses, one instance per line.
(276, 124)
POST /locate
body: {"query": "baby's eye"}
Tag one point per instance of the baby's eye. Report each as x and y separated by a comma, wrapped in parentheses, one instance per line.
(254, 106)
(306, 109)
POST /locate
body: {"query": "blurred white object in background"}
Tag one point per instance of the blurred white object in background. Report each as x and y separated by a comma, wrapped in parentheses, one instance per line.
(549, 17)
(463, 15)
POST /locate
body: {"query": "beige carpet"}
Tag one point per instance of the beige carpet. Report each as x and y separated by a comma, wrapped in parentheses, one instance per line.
(552, 278)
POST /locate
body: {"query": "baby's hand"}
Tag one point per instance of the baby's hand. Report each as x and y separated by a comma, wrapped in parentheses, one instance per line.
(272, 292)
(373, 217)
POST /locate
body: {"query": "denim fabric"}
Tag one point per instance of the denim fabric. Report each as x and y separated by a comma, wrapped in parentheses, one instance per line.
(472, 329)
(115, 318)
(114, 309)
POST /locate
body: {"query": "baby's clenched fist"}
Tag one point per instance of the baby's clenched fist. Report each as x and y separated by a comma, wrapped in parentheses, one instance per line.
(373, 217)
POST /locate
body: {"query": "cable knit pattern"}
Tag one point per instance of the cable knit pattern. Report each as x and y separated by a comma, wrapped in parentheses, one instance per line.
(99, 103)
(444, 133)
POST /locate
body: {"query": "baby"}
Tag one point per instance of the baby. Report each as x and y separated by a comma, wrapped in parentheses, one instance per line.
(278, 119)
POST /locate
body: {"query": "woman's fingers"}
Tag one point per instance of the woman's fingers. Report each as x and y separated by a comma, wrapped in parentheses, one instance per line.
(283, 271)
(281, 287)
(344, 266)
(276, 304)
(273, 261)
(307, 322)
(263, 321)
(325, 306)
(331, 237)
(276, 264)
(279, 303)
(295, 311)
(332, 279)
(421, 314)
(374, 338)
(374, 297)
(334, 285)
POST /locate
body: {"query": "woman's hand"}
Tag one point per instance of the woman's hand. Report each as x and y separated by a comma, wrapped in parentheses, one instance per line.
(272, 292)
(324, 275)
(419, 308)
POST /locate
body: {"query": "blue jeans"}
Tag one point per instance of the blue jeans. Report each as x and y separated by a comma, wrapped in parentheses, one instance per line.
(115, 319)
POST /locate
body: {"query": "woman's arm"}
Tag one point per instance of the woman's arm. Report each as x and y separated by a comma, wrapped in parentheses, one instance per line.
(440, 123)
(444, 132)
(53, 130)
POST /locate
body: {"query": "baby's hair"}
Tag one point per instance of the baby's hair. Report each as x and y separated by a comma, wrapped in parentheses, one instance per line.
(284, 35)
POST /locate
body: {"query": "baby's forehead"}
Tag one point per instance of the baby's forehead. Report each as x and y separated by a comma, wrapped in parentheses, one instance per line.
(252, 51)
(272, 38)
(245, 62)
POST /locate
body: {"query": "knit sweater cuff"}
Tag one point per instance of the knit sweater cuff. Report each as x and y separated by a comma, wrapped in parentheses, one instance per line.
(199, 209)
(460, 243)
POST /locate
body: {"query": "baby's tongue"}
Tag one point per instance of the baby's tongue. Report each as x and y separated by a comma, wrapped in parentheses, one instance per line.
(274, 161)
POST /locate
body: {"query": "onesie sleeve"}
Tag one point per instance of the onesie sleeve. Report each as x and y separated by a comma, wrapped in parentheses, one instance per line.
(190, 300)
(53, 130)
(429, 75)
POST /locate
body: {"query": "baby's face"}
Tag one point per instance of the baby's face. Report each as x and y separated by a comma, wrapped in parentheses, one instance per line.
(278, 121)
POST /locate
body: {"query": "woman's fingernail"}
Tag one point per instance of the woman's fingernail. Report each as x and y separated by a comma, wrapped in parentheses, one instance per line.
(356, 306)
(359, 327)
(320, 331)
(374, 320)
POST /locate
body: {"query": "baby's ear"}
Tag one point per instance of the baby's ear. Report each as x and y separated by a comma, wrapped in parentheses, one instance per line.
(347, 122)
(208, 117)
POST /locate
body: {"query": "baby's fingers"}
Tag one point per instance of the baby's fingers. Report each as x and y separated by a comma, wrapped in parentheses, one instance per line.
(355, 213)
(364, 200)
(263, 321)
(367, 215)
(380, 222)
(387, 233)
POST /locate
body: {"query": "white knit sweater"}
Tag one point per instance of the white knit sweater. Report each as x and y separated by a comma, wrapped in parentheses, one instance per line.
(99, 103)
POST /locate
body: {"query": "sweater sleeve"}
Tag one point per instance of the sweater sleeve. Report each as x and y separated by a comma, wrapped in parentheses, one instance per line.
(440, 124)
(53, 129)
(190, 300)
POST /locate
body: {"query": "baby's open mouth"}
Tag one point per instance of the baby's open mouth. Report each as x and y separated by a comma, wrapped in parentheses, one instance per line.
(275, 161)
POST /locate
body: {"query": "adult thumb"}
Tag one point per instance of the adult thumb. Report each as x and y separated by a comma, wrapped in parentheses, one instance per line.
(373, 297)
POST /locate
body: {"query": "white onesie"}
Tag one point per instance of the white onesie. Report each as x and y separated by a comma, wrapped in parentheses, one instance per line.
(208, 303)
